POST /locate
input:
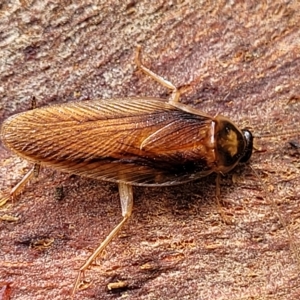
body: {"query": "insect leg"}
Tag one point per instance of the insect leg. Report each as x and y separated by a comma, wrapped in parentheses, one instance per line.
(175, 92)
(33, 102)
(126, 198)
(33, 172)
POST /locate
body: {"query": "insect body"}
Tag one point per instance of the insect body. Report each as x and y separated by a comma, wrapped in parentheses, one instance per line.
(136, 141)
(131, 141)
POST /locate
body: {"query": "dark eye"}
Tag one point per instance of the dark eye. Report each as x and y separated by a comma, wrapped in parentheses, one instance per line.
(249, 145)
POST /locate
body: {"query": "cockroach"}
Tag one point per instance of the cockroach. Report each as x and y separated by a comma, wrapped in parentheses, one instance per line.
(131, 141)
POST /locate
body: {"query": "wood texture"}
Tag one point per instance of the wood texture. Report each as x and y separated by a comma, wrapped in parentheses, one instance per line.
(240, 59)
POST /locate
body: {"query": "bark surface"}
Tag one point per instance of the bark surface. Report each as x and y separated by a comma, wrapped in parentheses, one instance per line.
(240, 59)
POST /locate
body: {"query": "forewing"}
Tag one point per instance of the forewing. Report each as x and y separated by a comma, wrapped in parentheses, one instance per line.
(139, 141)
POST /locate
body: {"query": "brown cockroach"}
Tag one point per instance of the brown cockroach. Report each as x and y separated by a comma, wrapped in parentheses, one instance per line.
(131, 141)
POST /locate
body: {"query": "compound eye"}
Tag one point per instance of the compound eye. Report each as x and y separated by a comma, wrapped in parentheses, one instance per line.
(249, 145)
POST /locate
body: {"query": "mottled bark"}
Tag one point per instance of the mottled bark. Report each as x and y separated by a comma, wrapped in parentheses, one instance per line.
(240, 59)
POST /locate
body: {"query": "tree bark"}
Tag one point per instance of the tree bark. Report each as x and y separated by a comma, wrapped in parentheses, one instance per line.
(239, 59)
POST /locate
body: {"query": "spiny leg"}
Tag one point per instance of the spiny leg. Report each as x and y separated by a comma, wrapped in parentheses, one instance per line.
(175, 92)
(19, 186)
(126, 199)
(33, 172)
(33, 102)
